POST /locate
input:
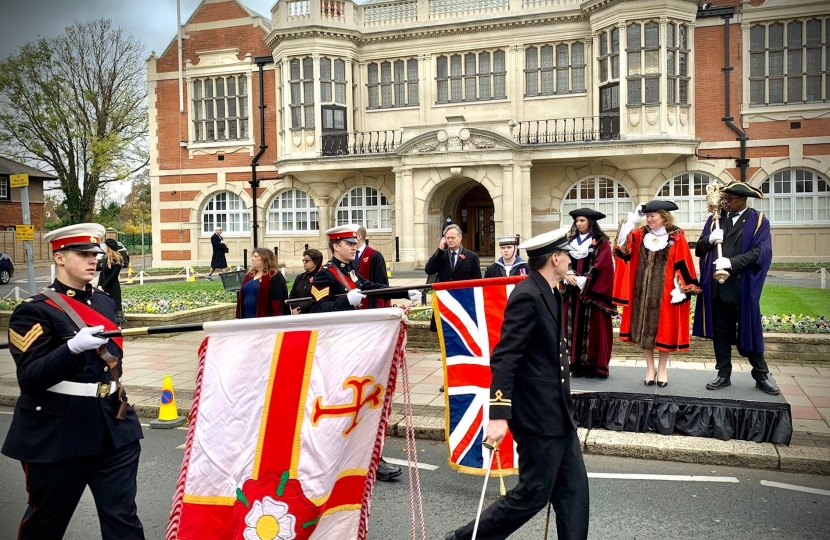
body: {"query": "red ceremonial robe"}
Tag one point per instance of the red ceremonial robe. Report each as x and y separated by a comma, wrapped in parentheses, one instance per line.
(649, 318)
(372, 266)
(588, 312)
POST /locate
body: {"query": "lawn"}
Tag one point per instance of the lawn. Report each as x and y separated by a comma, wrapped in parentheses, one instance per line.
(786, 300)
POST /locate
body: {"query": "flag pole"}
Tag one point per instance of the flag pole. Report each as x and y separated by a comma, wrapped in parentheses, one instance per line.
(372, 292)
(150, 330)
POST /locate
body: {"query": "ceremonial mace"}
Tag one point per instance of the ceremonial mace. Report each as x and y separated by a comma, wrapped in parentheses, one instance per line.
(714, 201)
(493, 448)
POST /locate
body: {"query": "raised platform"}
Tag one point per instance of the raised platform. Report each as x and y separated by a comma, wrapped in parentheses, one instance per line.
(623, 403)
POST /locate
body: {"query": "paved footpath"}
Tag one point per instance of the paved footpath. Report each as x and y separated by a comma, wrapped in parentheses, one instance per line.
(806, 388)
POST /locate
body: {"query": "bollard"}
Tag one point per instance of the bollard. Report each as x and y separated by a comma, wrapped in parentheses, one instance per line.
(52, 274)
(141, 278)
(823, 278)
(305, 248)
(397, 249)
(245, 258)
(16, 293)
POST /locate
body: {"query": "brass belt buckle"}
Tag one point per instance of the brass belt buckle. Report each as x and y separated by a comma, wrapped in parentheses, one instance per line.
(104, 389)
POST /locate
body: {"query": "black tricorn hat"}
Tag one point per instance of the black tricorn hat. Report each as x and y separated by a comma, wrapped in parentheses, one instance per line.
(742, 189)
(589, 213)
(657, 205)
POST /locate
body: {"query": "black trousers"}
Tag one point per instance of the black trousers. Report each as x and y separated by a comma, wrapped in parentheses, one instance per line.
(726, 326)
(55, 489)
(551, 471)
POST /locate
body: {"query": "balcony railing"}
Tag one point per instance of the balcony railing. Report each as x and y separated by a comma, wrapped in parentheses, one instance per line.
(566, 130)
(359, 143)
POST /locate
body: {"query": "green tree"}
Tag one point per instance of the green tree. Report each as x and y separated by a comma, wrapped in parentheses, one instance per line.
(137, 205)
(77, 104)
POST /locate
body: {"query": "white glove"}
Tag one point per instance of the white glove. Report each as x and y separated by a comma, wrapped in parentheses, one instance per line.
(85, 339)
(723, 263)
(716, 236)
(677, 294)
(637, 216)
(626, 229)
(414, 296)
(355, 296)
(580, 282)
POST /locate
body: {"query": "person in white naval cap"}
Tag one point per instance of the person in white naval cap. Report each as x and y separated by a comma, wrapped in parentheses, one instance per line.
(337, 287)
(72, 427)
(510, 264)
(531, 354)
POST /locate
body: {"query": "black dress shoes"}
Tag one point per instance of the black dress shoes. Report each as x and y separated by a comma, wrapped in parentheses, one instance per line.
(768, 386)
(450, 536)
(388, 472)
(718, 383)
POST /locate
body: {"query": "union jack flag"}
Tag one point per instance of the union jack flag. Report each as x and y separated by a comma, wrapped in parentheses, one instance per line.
(469, 320)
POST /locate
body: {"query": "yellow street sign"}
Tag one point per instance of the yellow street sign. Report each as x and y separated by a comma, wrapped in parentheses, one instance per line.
(24, 232)
(19, 180)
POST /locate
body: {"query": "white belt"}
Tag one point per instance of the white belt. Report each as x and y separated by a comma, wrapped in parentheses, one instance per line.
(70, 388)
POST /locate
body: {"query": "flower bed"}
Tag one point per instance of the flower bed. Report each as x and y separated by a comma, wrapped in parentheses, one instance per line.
(136, 300)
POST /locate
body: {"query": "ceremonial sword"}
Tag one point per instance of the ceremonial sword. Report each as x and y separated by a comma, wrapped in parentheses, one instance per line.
(371, 292)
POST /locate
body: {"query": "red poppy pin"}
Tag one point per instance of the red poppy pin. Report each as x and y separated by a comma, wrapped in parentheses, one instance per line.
(462, 256)
(365, 259)
(593, 242)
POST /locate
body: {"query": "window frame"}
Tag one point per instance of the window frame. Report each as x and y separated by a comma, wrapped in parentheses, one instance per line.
(762, 81)
(456, 80)
(345, 205)
(607, 58)
(280, 212)
(694, 200)
(676, 53)
(199, 102)
(407, 84)
(242, 213)
(642, 79)
(619, 202)
(771, 201)
(541, 72)
(302, 103)
(5, 188)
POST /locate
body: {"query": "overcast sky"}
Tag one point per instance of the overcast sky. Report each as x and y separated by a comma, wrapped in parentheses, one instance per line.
(151, 21)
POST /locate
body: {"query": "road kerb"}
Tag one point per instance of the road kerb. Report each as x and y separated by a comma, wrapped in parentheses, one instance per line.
(804, 459)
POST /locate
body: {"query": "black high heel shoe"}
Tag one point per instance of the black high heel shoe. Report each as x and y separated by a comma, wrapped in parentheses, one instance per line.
(663, 384)
(648, 382)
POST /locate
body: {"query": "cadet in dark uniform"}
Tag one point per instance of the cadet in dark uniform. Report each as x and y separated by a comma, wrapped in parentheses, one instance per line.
(64, 429)
(510, 264)
(530, 393)
(337, 277)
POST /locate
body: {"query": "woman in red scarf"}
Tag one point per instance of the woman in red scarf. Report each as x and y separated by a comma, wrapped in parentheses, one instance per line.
(587, 294)
(657, 280)
(264, 290)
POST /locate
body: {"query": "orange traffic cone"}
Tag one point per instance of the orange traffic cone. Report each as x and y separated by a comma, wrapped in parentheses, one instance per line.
(168, 414)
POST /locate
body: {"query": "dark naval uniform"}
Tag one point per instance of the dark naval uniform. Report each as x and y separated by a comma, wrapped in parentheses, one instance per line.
(531, 390)
(64, 441)
(337, 278)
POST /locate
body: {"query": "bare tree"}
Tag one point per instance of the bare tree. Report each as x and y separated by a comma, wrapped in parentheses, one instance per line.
(77, 104)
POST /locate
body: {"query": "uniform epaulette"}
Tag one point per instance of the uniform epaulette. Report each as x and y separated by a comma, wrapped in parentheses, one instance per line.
(327, 265)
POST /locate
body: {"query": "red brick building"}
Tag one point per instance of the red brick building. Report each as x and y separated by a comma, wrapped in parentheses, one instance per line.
(11, 212)
(504, 114)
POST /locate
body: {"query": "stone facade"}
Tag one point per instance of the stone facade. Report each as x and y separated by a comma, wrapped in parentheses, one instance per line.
(502, 114)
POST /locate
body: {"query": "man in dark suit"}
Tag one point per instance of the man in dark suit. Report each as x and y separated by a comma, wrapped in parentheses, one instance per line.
(730, 313)
(451, 262)
(530, 394)
(68, 430)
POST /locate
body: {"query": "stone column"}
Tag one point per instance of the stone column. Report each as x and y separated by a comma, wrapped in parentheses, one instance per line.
(318, 115)
(623, 81)
(408, 196)
(426, 83)
(664, 81)
(508, 215)
(526, 207)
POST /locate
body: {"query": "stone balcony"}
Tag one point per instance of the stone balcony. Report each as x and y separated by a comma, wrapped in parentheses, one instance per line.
(381, 16)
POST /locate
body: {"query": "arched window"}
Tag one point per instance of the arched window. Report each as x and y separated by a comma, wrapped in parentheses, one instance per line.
(795, 196)
(600, 193)
(365, 206)
(228, 211)
(688, 191)
(292, 211)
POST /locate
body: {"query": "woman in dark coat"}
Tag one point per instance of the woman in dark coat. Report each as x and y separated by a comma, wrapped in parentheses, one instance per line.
(218, 261)
(264, 291)
(587, 292)
(312, 261)
(108, 278)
